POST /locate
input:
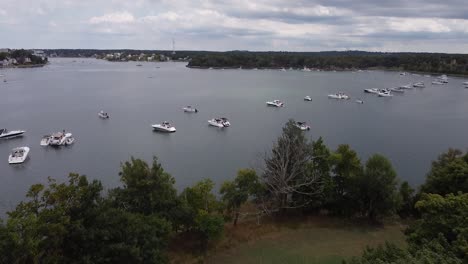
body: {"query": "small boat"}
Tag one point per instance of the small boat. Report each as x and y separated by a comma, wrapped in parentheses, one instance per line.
(60, 139)
(164, 127)
(103, 115)
(385, 93)
(45, 140)
(465, 83)
(305, 69)
(403, 73)
(397, 90)
(307, 98)
(283, 69)
(436, 82)
(275, 103)
(359, 101)
(219, 122)
(190, 109)
(4, 133)
(408, 86)
(302, 126)
(419, 85)
(341, 96)
(18, 155)
(427, 76)
(372, 90)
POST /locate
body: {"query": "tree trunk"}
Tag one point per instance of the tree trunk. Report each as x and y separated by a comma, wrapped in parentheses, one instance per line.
(236, 217)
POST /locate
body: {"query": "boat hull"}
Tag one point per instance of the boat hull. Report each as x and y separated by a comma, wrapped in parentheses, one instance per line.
(159, 128)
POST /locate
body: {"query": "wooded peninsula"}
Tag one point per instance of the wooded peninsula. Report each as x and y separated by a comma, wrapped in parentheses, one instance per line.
(456, 64)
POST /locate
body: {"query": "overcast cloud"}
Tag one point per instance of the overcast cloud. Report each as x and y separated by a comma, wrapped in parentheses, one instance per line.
(292, 25)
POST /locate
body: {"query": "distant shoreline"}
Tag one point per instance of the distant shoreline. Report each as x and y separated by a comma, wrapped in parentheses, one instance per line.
(24, 66)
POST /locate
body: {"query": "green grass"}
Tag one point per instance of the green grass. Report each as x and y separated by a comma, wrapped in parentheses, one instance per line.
(327, 244)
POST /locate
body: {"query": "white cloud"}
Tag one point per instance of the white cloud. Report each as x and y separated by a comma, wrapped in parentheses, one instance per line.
(238, 24)
(113, 18)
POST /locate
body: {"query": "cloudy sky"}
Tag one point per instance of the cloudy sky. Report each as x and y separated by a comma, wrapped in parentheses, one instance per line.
(293, 25)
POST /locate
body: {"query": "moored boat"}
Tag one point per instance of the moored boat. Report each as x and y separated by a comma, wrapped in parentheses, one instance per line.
(190, 109)
(4, 133)
(397, 90)
(275, 103)
(59, 139)
(18, 155)
(164, 127)
(371, 90)
(219, 122)
(302, 126)
(103, 115)
(340, 96)
(385, 93)
(307, 98)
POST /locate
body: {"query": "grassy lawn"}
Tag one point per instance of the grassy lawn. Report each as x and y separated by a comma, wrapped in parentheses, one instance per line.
(317, 240)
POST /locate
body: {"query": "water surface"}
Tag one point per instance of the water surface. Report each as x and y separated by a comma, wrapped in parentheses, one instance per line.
(411, 130)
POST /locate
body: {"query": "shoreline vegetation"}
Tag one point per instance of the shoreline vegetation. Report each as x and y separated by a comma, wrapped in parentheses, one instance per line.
(21, 58)
(431, 63)
(304, 197)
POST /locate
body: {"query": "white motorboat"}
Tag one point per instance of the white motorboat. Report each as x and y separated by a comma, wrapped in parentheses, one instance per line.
(436, 82)
(18, 155)
(465, 83)
(190, 109)
(4, 133)
(359, 101)
(283, 69)
(302, 126)
(103, 115)
(408, 86)
(45, 140)
(341, 96)
(403, 73)
(219, 122)
(60, 139)
(307, 98)
(397, 90)
(305, 69)
(372, 90)
(419, 85)
(385, 93)
(164, 127)
(275, 103)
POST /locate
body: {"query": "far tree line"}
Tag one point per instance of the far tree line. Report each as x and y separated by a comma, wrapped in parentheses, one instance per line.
(77, 222)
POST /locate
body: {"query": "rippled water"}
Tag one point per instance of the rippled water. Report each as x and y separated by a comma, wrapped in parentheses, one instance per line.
(68, 93)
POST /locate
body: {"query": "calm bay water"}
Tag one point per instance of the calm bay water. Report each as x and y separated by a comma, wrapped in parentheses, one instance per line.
(411, 130)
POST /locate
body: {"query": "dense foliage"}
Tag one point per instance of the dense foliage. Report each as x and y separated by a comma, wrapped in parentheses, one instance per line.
(424, 62)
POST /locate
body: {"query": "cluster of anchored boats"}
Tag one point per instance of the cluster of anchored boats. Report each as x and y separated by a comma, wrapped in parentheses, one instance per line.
(20, 154)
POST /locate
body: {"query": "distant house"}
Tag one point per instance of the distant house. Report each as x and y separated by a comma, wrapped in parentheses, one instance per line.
(27, 60)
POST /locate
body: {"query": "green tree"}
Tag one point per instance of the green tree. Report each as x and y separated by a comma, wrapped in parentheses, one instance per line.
(235, 193)
(449, 174)
(346, 167)
(407, 200)
(442, 216)
(376, 188)
(146, 190)
(202, 212)
(72, 223)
